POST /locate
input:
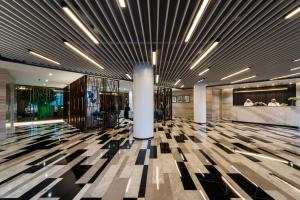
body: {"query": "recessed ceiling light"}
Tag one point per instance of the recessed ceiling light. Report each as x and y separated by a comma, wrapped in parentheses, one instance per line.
(294, 68)
(181, 86)
(46, 80)
(204, 71)
(177, 81)
(293, 13)
(286, 76)
(156, 78)
(82, 54)
(44, 84)
(43, 57)
(196, 20)
(236, 73)
(122, 3)
(154, 58)
(204, 55)
(296, 60)
(50, 74)
(129, 76)
(75, 19)
(244, 79)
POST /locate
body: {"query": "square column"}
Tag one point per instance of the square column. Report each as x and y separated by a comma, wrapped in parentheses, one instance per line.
(200, 103)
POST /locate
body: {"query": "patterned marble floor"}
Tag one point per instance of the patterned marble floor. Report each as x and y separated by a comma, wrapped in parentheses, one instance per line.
(184, 160)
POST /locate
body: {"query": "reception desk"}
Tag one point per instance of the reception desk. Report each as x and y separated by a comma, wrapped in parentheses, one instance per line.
(286, 116)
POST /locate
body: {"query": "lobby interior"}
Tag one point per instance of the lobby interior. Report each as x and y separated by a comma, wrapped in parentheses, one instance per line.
(150, 99)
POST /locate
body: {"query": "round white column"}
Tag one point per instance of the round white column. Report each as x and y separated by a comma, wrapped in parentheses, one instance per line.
(143, 107)
(200, 103)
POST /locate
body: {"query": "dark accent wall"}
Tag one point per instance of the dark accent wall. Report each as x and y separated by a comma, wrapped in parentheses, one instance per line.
(163, 104)
(264, 96)
(78, 102)
(92, 103)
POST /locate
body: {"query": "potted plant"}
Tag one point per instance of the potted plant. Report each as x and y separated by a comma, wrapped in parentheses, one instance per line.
(293, 100)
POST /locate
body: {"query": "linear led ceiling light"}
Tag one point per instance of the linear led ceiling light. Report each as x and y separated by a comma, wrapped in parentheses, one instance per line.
(154, 58)
(181, 86)
(204, 71)
(76, 20)
(292, 69)
(296, 60)
(286, 76)
(83, 54)
(293, 13)
(177, 81)
(156, 78)
(122, 3)
(262, 90)
(236, 73)
(244, 79)
(43, 57)
(129, 76)
(204, 54)
(197, 19)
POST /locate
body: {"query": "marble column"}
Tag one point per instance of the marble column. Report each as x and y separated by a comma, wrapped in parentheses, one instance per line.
(2, 107)
(5, 79)
(298, 93)
(143, 105)
(200, 103)
(298, 102)
(213, 102)
(227, 103)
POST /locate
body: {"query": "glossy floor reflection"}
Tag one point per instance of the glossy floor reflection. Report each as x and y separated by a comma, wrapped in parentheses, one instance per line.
(184, 160)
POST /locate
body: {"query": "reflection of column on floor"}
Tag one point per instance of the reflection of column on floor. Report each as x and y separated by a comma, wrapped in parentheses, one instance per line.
(143, 102)
(6, 102)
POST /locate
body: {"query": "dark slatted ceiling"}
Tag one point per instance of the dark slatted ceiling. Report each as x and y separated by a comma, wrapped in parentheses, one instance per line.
(251, 33)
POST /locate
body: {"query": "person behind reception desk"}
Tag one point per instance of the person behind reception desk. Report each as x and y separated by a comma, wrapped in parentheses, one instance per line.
(248, 102)
(273, 103)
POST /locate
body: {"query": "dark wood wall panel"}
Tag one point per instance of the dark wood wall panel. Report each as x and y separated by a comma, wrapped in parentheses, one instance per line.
(163, 104)
(264, 96)
(78, 103)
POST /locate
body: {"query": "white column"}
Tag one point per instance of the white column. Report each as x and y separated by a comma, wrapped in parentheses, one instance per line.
(143, 106)
(200, 103)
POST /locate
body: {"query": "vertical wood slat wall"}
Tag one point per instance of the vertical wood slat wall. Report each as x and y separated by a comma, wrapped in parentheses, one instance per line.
(163, 102)
(78, 108)
(77, 103)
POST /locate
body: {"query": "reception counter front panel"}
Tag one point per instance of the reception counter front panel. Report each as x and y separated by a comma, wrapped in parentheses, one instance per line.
(286, 116)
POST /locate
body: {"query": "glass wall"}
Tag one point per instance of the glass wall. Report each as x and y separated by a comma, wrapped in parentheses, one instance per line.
(39, 103)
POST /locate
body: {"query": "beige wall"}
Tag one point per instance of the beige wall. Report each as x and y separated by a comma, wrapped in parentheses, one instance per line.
(185, 110)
